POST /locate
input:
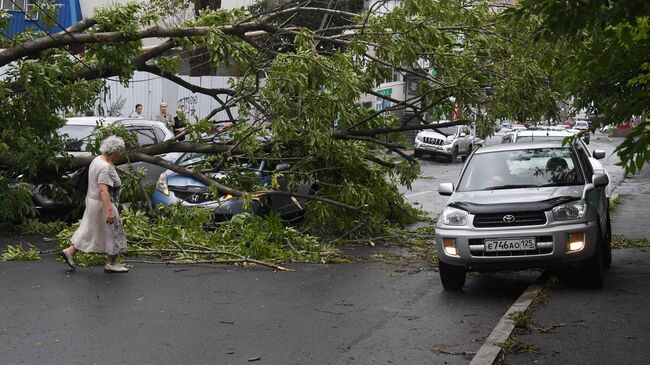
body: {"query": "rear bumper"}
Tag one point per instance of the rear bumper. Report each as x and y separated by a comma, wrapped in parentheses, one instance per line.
(552, 244)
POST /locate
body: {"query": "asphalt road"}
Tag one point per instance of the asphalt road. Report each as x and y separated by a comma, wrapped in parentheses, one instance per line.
(361, 313)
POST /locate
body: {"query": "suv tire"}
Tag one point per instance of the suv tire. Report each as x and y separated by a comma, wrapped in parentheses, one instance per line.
(593, 269)
(607, 244)
(454, 155)
(452, 277)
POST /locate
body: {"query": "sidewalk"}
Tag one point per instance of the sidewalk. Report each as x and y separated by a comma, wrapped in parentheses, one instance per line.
(608, 326)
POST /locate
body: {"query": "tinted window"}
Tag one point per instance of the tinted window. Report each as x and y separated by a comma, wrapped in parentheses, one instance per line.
(146, 137)
(537, 167)
(160, 135)
(583, 155)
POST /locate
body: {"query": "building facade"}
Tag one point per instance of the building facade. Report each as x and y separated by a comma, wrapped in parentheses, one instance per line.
(30, 14)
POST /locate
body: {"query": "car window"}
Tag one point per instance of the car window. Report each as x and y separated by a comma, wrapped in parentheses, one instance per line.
(160, 135)
(506, 139)
(76, 137)
(539, 138)
(583, 155)
(189, 159)
(146, 136)
(537, 167)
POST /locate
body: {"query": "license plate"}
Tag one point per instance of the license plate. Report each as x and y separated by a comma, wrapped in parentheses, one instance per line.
(517, 244)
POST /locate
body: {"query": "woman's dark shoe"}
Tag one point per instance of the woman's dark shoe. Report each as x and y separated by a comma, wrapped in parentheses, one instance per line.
(67, 258)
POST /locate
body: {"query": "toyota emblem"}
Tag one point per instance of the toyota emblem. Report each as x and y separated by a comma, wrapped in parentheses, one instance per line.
(195, 198)
(508, 218)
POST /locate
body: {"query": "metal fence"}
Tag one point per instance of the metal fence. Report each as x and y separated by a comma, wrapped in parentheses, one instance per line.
(150, 90)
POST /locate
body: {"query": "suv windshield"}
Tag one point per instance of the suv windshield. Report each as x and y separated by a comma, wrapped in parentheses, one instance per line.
(529, 168)
(447, 131)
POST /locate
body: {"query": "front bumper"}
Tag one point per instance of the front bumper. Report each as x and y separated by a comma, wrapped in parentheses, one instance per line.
(551, 242)
(438, 150)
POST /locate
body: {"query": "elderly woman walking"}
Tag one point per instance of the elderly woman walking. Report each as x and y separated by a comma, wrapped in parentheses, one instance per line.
(101, 230)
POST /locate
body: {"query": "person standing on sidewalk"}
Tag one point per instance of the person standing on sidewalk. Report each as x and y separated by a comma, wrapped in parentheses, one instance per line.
(165, 117)
(101, 230)
(137, 113)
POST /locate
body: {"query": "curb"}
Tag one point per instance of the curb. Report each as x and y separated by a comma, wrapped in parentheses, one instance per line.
(491, 348)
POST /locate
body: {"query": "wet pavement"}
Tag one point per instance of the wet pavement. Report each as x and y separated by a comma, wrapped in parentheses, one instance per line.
(361, 313)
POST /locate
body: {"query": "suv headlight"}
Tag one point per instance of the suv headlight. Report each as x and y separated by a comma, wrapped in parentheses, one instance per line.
(161, 184)
(418, 137)
(454, 217)
(448, 140)
(570, 211)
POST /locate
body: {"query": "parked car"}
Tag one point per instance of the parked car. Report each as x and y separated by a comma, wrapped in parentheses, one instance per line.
(552, 135)
(581, 125)
(449, 142)
(174, 188)
(79, 132)
(525, 205)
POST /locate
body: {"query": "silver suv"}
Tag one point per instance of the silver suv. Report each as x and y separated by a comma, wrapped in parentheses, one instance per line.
(525, 205)
(449, 142)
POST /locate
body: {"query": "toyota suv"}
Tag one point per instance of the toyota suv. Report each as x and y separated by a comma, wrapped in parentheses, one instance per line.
(525, 205)
(449, 142)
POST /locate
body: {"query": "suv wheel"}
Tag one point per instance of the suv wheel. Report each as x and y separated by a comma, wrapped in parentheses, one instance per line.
(593, 270)
(607, 244)
(454, 155)
(452, 277)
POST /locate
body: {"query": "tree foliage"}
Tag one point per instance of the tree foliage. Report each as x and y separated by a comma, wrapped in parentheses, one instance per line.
(297, 104)
(607, 65)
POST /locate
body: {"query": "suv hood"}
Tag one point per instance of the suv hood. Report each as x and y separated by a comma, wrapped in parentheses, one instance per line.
(518, 197)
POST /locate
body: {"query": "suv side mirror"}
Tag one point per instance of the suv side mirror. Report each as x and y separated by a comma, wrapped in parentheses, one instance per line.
(462, 134)
(598, 154)
(600, 180)
(445, 189)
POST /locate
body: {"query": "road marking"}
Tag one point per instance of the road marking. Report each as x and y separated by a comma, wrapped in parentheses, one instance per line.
(490, 350)
(420, 193)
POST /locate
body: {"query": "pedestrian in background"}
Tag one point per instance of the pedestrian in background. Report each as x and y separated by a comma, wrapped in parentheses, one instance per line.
(165, 117)
(101, 230)
(137, 113)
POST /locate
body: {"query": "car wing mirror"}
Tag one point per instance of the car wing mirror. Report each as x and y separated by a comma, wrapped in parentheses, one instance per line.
(598, 154)
(463, 134)
(445, 189)
(600, 180)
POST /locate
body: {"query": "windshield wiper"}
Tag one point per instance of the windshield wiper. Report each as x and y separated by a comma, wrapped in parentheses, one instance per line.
(499, 187)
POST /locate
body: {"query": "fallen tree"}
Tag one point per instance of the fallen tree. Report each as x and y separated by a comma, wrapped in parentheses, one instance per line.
(295, 97)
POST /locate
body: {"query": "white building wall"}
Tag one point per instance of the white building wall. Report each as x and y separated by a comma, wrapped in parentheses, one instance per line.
(150, 90)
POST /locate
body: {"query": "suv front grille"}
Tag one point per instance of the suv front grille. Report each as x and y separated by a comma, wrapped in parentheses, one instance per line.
(434, 141)
(544, 247)
(505, 219)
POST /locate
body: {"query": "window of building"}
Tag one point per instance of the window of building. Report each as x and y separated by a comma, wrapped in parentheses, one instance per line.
(26, 6)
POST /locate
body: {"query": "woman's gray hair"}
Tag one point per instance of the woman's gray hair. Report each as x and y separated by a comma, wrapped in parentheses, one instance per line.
(111, 144)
